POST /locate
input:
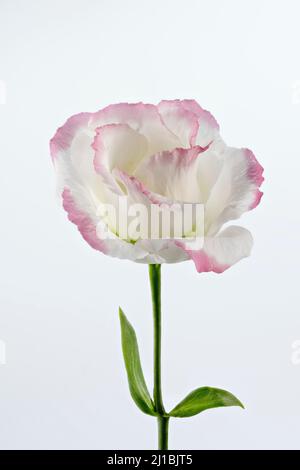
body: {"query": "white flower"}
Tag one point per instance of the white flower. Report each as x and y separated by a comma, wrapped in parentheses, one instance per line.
(164, 154)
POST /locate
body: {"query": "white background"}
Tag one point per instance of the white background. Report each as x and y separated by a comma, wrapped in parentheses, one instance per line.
(64, 384)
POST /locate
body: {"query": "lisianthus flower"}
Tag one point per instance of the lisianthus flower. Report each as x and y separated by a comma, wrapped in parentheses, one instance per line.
(157, 155)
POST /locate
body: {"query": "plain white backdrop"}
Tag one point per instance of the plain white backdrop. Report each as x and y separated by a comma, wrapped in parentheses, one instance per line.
(63, 385)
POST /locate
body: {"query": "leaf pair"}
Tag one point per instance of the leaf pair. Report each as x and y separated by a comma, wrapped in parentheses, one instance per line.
(197, 401)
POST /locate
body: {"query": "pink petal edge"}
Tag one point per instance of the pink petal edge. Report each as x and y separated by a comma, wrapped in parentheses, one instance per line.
(65, 134)
(85, 225)
(98, 146)
(201, 113)
(203, 262)
(255, 174)
(194, 113)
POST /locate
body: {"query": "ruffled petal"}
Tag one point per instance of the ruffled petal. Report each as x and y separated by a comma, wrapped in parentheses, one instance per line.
(208, 128)
(236, 189)
(174, 174)
(117, 145)
(63, 138)
(83, 219)
(144, 119)
(137, 191)
(163, 218)
(192, 124)
(222, 251)
(94, 231)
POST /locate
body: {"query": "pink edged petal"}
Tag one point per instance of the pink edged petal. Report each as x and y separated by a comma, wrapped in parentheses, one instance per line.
(65, 134)
(137, 191)
(182, 122)
(95, 232)
(142, 118)
(222, 251)
(208, 128)
(85, 224)
(257, 197)
(255, 170)
(74, 164)
(173, 174)
(236, 189)
(117, 145)
(156, 208)
(192, 124)
(205, 264)
(255, 174)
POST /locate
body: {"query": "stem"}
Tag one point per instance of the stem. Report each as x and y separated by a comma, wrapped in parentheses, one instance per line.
(163, 432)
(162, 420)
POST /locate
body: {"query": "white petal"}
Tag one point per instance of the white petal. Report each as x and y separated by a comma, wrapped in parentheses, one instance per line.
(173, 174)
(236, 189)
(143, 118)
(118, 146)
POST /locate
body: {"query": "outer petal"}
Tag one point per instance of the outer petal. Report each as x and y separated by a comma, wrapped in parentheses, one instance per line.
(236, 189)
(83, 220)
(222, 251)
(192, 124)
(92, 229)
(64, 136)
(83, 190)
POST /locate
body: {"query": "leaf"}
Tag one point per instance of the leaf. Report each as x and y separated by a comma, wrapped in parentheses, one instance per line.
(136, 380)
(202, 399)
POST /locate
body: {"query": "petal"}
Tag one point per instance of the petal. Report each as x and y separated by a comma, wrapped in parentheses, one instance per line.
(208, 128)
(255, 174)
(73, 156)
(162, 251)
(92, 230)
(192, 124)
(236, 189)
(74, 163)
(173, 174)
(64, 136)
(166, 222)
(137, 191)
(222, 251)
(117, 145)
(182, 122)
(83, 219)
(143, 118)
(186, 175)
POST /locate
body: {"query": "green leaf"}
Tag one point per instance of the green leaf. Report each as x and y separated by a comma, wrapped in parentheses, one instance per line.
(202, 399)
(136, 380)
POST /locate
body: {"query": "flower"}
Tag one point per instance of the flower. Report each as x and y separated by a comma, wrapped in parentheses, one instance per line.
(156, 156)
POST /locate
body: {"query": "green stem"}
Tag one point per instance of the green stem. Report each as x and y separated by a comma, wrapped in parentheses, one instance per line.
(163, 432)
(162, 420)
